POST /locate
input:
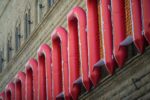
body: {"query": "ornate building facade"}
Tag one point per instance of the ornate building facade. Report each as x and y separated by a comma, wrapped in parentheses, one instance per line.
(74, 49)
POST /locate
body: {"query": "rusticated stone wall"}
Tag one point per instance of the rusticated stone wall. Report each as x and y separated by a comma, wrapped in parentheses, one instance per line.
(130, 83)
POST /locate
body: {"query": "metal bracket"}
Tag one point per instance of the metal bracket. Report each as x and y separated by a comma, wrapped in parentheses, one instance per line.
(3, 60)
(20, 36)
(30, 22)
(41, 6)
(11, 49)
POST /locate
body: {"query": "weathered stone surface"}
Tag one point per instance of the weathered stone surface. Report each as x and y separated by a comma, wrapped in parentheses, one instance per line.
(40, 33)
(121, 85)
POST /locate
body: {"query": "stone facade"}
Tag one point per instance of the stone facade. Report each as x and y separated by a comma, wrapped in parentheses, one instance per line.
(130, 83)
(40, 32)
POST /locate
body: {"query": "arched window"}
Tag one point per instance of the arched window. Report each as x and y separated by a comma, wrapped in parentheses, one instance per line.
(28, 23)
(1, 59)
(50, 2)
(18, 37)
(39, 10)
(9, 47)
